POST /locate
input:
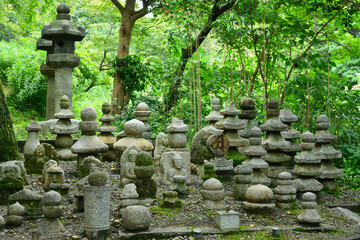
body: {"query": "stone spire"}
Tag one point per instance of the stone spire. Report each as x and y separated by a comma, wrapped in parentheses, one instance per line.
(274, 143)
(63, 128)
(326, 152)
(290, 135)
(88, 144)
(307, 167)
(142, 113)
(231, 124)
(106, 130)
(256, 155)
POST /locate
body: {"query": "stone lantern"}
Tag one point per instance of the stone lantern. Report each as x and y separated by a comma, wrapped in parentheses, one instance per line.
(63, 33)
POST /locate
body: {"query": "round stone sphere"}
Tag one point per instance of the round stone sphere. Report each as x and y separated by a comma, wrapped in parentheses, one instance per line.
(88, 114)
(134, 127)
(177, 140)
(106, 107)
(52, 198)
(16, 209)
(259, 194)
(273, 104)
(213, 184)
(64, 102)
(136, 218)
(63, 8)
(247, 104)
(308, 197)
(97, 178)
(285, 176)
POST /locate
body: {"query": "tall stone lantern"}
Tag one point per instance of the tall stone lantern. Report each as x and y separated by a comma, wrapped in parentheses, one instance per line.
(49, 72)
(63, 33)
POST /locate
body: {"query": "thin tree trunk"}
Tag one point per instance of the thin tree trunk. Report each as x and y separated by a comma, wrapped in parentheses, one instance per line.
(8, 146)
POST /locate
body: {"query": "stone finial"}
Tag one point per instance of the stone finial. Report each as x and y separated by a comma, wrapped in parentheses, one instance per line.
(177, 137)
(63, 8)
(33, 127)
(97, 178)
(177, 126)
(65, 111)
(247, 106)
(309, 215)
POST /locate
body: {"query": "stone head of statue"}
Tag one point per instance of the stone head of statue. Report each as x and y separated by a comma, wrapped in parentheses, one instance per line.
(177, 160)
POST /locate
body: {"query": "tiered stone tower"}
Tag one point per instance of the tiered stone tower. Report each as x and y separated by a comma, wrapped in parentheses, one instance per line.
(307, 167)
(63, 128)
(326, 153)
(247, 115)
(274, 143)
(142, 113)
(106, 130)
(256, 155)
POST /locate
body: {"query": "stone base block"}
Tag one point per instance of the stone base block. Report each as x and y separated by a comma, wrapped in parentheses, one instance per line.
(227, 220)
(259, 207)
(51, 226)
(97, 233)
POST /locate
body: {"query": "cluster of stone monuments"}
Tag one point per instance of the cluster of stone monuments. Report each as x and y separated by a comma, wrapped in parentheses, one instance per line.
(268, 172)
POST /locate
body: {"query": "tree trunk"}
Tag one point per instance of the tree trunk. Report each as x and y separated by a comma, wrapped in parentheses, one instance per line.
(120, 96)
(8, 146)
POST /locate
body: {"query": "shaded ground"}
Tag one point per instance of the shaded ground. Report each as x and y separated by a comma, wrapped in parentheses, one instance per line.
(191, 215)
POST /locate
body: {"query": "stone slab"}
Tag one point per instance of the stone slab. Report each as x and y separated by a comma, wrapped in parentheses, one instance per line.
(348, 214)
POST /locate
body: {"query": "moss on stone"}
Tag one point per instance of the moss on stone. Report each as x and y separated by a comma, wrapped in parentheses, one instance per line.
(10, 183)
(236, 156)
(146, 188)
(143, 160)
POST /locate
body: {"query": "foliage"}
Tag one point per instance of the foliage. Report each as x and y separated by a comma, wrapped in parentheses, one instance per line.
(132, 71)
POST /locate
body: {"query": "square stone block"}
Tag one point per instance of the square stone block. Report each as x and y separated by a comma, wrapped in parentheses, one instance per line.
(228, 220)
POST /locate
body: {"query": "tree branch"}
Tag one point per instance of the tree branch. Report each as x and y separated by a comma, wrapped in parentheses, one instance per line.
(118, 5)
(306, 50)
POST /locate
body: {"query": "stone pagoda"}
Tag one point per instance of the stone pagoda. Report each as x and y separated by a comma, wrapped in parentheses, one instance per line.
(106, 130)
(49, 72)
(88, 144)
(274, 143)
(326, 152)
(218, 145)
(63, 33)
(231, 125)
(142, 113)
(287, 117)
(307, 167)
(198, 149)
(63, 129)
(256, 155)
(247, 115)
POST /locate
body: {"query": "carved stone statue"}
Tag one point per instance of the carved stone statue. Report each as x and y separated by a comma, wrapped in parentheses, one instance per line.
(177, 169)
(127, 165)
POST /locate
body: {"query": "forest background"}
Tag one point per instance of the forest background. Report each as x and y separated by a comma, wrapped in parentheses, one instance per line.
(305, 54)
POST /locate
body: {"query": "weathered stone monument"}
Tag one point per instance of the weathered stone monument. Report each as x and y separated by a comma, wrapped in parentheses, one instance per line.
(287, 117)
(231, 125)
(142, 113)
(129, 196)
(12, 179)
(218, 145)
(15, 215)
(145, 185)
(54, 174)
(43, 153)
(177, 141)
(32, 139)
(213, 194)
(136, 218)
(88, 164)
(198, 149)
(170, 200)
(307, 167)
(127, 163)
(256, 155)
(274, 143)
(52, 211)
(97, 206)
(242, 180)
(134, 130)
(247, 115)
(327, 153)
(63, 33)
(30, 200)
(63, 128)
(309, 215)
(285, 192)
(161, 144)
(88, 144)
(106, 130)
(173, 169)
(259, 199)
